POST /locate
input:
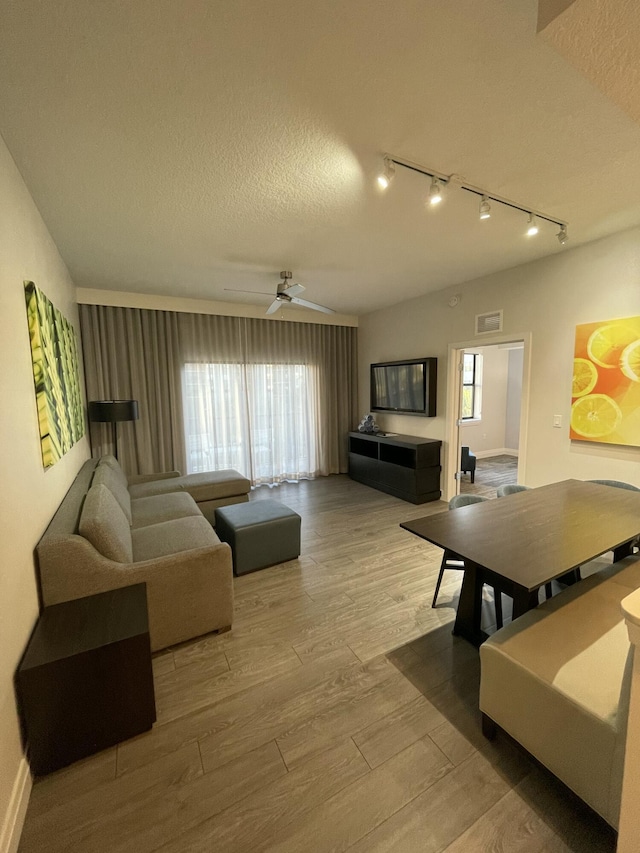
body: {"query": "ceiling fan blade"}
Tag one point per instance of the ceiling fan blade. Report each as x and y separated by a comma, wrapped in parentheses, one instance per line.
(274, 306)
(294, 290)
(236, 290)
(312, 305)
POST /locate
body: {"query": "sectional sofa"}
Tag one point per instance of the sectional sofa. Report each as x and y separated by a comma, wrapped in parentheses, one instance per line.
(109, 533)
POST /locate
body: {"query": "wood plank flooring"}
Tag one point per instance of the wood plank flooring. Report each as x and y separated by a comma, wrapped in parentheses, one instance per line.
(338, 714)
(491, 472)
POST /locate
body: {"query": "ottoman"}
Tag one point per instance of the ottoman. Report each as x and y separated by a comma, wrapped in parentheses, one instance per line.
(261, 534)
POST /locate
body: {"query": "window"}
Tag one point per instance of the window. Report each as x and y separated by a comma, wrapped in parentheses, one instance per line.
(257, 418)
(471, 386)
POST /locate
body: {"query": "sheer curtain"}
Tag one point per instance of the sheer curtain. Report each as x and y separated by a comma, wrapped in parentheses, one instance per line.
(272, 399)
(257, 418)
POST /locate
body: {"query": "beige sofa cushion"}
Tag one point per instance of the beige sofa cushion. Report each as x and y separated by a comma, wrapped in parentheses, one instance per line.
(155, 487)
(105, 525)
(207, 486)
(159, 508)
(171, 537)
(212, 485)
(108, 461)
(106, 476)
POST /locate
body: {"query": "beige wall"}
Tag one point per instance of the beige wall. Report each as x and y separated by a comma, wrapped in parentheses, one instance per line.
(514, 399)
(549, 10)
(546, 298)
(294, 314)
(29, 495)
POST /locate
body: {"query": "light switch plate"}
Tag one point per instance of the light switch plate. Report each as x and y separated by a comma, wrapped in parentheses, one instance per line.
(557, 420)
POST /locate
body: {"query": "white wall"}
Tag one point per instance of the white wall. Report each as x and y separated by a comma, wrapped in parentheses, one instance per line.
(514, 399)
(488, 434)
(546, 298)
(29, 496)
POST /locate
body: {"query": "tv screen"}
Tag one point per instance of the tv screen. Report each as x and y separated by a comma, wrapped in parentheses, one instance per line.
(407, 387)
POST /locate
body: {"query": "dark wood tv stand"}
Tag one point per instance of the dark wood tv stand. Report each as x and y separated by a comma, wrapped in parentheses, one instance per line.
(402, 465)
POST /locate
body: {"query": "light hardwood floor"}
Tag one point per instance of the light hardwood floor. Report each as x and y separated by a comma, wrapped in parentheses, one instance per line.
(491, 472)
(338, 714)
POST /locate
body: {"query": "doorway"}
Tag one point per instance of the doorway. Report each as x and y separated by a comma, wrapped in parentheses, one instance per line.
(487, 403)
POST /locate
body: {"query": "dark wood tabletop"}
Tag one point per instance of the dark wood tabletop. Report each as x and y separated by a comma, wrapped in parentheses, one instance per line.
(519, 543)
(537, 535)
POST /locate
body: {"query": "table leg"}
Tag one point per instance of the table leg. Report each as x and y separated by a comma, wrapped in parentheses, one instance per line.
(523, 600)
(623, 551)
(469, 611)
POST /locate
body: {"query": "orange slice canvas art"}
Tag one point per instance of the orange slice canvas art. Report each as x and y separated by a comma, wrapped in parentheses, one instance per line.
(605, 395)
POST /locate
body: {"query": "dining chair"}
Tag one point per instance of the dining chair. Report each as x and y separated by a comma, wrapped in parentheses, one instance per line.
(617, 484)
(620, 484)
(510, 489)
(451, 560)
(468, 462)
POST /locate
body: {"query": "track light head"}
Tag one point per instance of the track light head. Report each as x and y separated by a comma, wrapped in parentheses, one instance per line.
(386, 176)
(485, 208)
(435, 191)
(440, 180)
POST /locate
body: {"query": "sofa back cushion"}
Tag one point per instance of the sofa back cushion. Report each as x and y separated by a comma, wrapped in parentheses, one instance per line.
(106, 476)
(108, 461)
(105, 525)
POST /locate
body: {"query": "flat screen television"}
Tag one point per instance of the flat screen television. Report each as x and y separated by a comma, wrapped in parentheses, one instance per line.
(405, 387)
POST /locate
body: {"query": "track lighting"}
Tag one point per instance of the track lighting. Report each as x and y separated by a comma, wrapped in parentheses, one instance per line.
(435, 191)
(439, 180)
(485, 208)
(385, 177)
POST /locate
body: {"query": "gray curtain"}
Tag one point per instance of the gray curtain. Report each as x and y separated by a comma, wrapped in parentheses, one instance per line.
(131, 354)
(138, 354)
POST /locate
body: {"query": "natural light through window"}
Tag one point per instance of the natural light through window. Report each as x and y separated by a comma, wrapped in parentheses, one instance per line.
(471, 386)
(257, 418)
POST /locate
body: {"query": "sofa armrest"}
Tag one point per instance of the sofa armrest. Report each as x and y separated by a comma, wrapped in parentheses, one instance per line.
(188, 593)
(134, 479)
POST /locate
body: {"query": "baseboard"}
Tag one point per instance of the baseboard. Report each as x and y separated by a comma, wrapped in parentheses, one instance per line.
(499, 451)
(16, 811)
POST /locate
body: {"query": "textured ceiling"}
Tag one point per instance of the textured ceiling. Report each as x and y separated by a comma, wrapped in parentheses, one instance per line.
(186, 146)
(612, 62)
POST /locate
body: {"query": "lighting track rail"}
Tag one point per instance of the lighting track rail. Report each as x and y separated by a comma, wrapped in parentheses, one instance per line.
(439, 180)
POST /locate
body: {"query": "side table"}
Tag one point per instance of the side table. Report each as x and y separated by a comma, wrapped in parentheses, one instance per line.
(85, 681)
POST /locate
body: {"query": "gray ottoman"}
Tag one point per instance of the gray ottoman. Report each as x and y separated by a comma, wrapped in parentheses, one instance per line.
(261, 534)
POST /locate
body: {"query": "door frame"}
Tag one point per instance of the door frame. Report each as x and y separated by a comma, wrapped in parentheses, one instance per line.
(454, 381)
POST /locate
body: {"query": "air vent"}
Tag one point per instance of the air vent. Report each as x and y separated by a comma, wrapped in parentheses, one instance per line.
(490, 322)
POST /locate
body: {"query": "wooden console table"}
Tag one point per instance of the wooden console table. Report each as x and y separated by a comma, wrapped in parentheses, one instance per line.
(85, 681)
(402, 465)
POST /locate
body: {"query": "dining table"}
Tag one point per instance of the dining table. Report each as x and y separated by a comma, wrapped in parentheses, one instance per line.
(521, 542)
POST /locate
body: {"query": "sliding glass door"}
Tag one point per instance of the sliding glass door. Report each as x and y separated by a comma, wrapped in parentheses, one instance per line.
(260, 419)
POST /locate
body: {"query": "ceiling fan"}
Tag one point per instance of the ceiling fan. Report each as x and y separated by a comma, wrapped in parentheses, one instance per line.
(286, 294)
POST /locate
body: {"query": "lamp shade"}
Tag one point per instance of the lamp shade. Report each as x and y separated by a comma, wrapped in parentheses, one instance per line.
(113, 411)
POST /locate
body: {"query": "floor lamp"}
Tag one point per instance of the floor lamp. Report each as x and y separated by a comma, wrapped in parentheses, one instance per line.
(113, 411)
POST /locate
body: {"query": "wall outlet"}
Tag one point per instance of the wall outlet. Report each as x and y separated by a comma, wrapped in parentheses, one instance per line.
(557, 420)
